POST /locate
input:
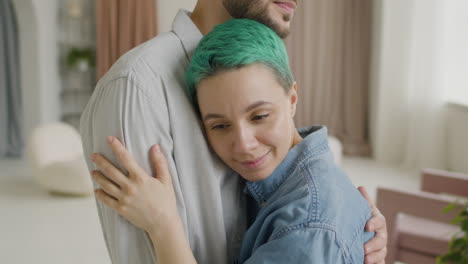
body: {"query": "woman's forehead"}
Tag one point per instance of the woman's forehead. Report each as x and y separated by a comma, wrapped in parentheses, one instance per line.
(246, 81)
(239, 96)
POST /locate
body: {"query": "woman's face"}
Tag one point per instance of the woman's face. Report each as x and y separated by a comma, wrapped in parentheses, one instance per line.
(248, 119)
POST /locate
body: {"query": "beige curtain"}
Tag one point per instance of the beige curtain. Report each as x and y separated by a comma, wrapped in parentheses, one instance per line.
(120, 26)
(329, 49)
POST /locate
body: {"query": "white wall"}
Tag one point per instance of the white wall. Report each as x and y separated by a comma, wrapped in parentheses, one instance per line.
(455, 57)
(457, 137)
(167, 9)
(48, 56)
(455, 82)
(38, 62)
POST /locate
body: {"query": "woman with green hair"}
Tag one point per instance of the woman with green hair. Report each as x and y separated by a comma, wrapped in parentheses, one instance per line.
(302, 207)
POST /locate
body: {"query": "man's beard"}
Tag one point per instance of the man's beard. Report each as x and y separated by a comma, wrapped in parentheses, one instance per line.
(253, 9)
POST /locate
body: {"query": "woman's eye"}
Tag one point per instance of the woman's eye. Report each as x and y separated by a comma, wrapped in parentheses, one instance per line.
(219, 126)
(260, 117)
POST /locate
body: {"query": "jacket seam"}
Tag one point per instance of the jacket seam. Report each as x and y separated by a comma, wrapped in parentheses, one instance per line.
(308, 226)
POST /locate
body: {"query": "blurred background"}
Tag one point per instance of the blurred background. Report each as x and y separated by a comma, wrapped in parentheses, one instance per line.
(387, 77)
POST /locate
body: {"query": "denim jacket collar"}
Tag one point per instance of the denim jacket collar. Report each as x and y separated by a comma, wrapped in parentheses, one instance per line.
(314, 139)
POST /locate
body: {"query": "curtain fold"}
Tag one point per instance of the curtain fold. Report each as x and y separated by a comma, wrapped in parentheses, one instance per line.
(410, 126)
(329, 49)
(120, 26)
(11, 141)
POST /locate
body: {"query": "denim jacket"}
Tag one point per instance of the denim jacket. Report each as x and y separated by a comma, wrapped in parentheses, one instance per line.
(307, 211)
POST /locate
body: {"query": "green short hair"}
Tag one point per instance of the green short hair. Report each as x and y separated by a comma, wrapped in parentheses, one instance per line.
(233, 45)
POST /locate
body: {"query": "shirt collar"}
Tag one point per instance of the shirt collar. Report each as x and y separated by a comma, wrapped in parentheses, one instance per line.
(187, 32)
(315, 138)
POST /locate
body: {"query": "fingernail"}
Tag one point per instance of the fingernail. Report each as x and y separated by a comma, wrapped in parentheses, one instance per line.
(110, 139)
(371, 227)
(93, 157)
(157, 149)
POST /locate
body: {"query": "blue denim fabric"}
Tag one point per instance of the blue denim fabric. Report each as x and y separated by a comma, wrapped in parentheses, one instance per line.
(307, 211)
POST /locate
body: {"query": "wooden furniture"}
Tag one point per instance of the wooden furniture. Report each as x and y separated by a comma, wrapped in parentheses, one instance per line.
(418, 230)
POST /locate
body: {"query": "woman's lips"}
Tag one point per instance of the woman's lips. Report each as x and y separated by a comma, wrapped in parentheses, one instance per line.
(255, 163)
(287, 6)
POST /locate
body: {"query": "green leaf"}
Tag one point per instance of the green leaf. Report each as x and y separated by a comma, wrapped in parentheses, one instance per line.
(456, 220)
(449, 208)
(464, 225)
(458, 247)
(457, 244)
(77, 54)
(464, 212)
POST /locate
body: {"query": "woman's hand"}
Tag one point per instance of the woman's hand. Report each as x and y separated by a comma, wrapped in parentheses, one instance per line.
(376, 248)
(147, 202)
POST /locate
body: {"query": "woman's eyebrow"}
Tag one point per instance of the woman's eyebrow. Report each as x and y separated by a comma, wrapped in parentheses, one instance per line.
(212, 116)
(249, 108)
(255, 105)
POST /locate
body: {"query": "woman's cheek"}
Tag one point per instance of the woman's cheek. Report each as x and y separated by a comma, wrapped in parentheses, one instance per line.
(275, 131)
(216, 143)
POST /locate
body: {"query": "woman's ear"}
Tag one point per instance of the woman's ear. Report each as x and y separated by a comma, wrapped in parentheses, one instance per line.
(293, 98)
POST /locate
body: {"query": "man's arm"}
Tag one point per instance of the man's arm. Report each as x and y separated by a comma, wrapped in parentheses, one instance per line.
(123, 109)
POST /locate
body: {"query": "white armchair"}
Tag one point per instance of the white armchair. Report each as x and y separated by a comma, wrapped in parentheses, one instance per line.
(57, 160)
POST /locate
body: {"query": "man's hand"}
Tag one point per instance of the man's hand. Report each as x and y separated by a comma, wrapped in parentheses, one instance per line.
(376, 248)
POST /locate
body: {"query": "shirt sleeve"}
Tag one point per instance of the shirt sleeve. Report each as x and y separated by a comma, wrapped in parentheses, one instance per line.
(121, 108)
(310, 245)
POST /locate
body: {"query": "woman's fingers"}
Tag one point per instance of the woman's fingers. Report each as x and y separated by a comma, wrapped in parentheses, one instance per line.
(377, 223)
(378, 243)
(124, 157)
(364, 193)
(376, 248)
(107, 185)
(377, 257)
(159, 163)
(112, 172)
(107, 199)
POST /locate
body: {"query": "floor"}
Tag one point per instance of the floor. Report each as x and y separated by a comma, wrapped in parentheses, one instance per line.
(40, 228)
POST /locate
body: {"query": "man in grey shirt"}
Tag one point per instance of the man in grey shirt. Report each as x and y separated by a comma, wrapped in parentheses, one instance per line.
(142, 101)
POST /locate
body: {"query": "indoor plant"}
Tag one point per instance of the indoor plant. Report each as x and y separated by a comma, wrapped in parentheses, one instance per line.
(458, 248)
(83, 58)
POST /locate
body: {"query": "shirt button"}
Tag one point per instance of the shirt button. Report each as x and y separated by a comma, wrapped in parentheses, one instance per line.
(263, 203)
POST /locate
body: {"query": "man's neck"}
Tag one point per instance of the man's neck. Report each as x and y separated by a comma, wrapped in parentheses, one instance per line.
(208, 14)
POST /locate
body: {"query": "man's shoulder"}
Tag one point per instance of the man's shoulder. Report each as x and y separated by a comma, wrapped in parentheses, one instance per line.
(138, 77)
(155, 58)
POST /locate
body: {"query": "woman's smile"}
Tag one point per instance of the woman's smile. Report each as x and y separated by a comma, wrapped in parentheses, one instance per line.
(256, 163)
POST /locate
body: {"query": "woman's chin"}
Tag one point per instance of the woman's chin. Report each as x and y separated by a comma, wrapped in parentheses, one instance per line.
(256, 176)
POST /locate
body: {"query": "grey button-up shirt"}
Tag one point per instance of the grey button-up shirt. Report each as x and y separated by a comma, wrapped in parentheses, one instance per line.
(142, 101)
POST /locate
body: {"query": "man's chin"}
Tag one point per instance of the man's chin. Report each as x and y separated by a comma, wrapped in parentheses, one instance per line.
(281, 26)
(283, 32)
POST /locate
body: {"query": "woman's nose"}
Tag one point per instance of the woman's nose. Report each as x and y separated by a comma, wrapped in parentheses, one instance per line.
(245, 140)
